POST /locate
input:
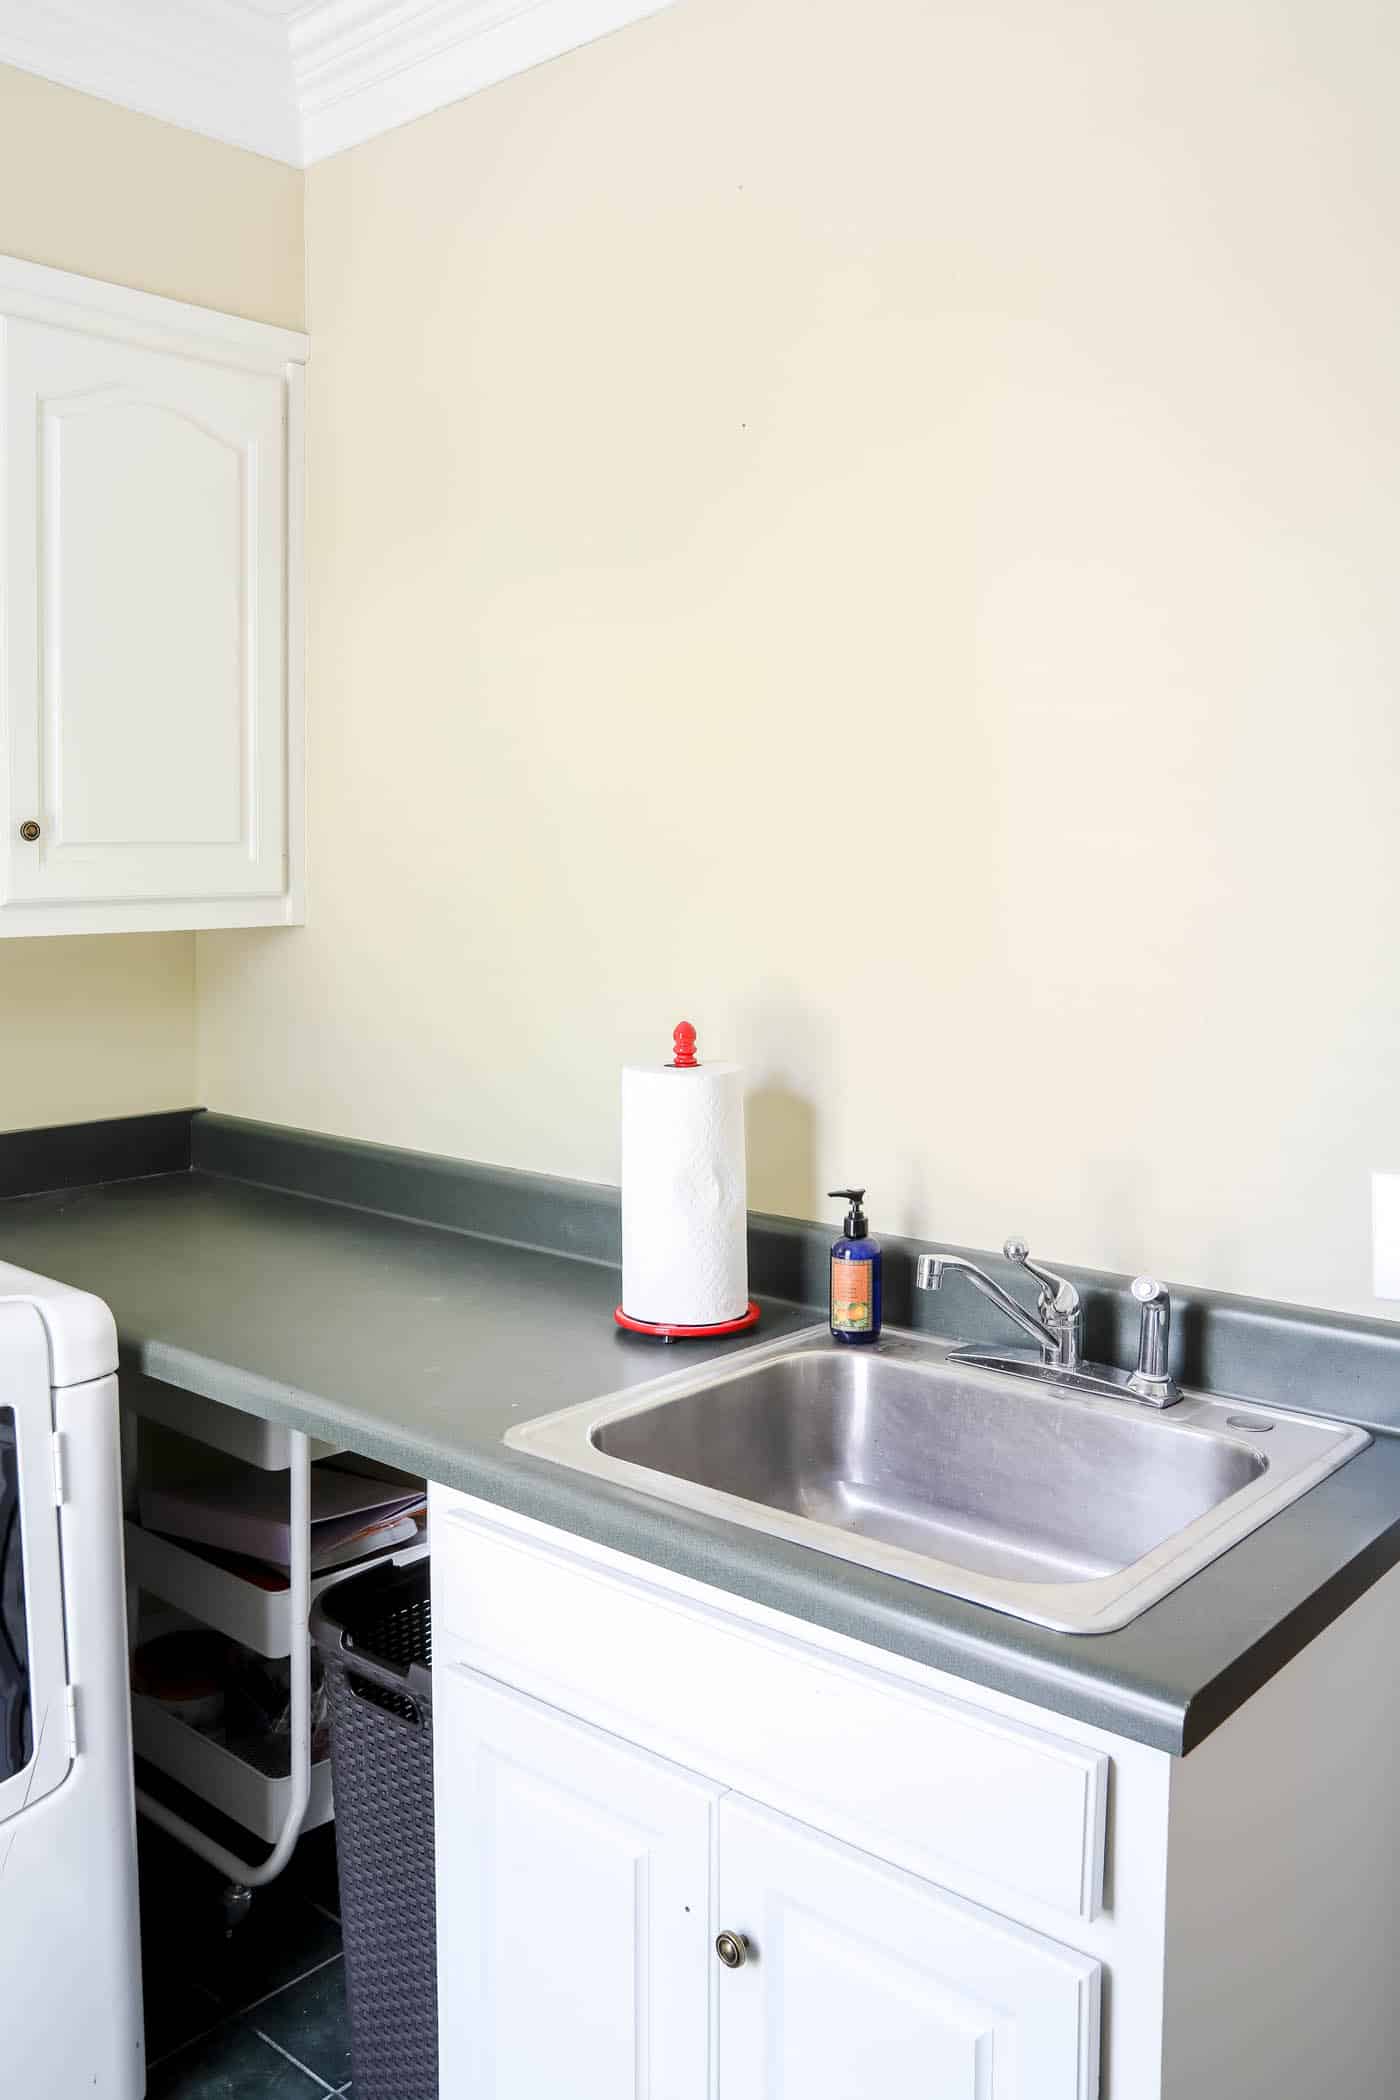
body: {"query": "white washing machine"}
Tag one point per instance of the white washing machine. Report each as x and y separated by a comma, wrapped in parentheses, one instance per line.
(70, 1974)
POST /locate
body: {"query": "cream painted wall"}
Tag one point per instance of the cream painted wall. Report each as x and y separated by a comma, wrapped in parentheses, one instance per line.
(875, 530)
(100, 1027)
(89, 187)
(106, 1027)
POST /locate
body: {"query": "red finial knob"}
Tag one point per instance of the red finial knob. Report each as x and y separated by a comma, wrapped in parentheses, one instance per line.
(683, 1036)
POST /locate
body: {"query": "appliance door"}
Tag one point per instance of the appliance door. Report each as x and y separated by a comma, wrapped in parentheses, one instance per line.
(35, 1738)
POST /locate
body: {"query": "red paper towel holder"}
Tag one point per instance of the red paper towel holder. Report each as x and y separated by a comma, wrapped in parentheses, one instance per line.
(669, 1332)
(685, 1060)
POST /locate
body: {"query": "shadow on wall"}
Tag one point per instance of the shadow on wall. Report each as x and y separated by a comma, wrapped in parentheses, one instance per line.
(782, 1128)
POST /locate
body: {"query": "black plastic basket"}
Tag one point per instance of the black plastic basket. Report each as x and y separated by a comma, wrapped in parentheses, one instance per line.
(374, 1632)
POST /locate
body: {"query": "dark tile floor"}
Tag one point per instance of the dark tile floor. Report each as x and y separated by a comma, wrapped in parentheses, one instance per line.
(257, 2013)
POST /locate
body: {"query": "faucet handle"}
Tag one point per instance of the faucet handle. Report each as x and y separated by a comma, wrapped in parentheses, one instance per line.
(1152, 1380)
(1057, 1293)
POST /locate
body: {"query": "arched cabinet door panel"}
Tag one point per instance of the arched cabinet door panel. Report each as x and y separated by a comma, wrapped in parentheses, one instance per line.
(151, 628)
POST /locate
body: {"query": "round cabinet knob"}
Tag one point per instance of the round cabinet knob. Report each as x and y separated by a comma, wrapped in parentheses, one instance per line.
(29, 832)
(732, 1949)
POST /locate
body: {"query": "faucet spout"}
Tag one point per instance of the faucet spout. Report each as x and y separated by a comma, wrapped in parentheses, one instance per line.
(1059, 1328)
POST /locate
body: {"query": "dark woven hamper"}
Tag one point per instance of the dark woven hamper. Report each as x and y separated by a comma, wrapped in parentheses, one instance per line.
(374, 1633)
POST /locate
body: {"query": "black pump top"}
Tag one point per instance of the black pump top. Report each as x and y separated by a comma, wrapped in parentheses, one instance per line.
(857, 1224)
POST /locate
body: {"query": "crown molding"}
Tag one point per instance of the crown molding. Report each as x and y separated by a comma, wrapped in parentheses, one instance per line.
(365, 66)
(296, 82)
(220, 67)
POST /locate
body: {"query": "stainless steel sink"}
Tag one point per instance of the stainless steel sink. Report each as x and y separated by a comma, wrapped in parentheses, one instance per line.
(1074, 1512)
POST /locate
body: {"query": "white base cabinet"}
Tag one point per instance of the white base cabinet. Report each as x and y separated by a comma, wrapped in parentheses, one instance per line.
(578, 1950)
(631, 1765)
(578, 1960)
(866, 1981)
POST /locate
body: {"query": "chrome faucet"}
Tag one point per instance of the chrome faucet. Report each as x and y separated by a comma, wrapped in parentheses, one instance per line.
(1060, 1327)
(1057, 1329)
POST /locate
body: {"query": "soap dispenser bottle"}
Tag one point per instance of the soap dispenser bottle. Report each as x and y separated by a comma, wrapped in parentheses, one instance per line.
(856, 1262)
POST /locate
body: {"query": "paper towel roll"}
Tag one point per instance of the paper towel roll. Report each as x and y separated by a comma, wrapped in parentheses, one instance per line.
(685, 1257)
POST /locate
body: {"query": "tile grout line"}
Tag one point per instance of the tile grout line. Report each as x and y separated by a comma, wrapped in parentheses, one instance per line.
(291, 1984)
(296, 2061)
(236, 2012)
(226, 2014)
(201, 2034)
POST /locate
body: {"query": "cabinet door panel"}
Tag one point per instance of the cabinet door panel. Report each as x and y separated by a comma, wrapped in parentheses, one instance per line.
(146, 507)
(864, 1981)
(573, 1906)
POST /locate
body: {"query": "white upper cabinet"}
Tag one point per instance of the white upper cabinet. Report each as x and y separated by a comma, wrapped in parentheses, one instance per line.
(151, 682)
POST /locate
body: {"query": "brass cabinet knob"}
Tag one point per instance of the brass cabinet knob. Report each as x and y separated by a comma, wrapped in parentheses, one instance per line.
(732, 1949)
(29, 832)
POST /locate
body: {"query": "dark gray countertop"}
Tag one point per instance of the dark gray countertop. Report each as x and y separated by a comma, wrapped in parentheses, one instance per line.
(421, 1346)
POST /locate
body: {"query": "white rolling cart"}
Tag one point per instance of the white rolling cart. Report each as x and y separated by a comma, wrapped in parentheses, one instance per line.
(274, 1806)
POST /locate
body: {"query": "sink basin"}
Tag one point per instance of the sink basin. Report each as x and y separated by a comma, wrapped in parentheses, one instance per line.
(1076, 1512)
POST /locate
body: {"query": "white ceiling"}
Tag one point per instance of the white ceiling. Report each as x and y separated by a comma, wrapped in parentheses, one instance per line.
(296, 79)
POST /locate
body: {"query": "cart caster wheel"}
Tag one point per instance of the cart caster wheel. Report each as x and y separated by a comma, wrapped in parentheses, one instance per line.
(237, 1902)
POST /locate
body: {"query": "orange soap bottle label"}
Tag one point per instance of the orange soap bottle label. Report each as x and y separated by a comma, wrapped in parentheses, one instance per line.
(851, 1295)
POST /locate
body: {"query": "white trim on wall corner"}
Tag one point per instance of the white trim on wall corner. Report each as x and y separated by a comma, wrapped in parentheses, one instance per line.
(297, 83)
(33, 292)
